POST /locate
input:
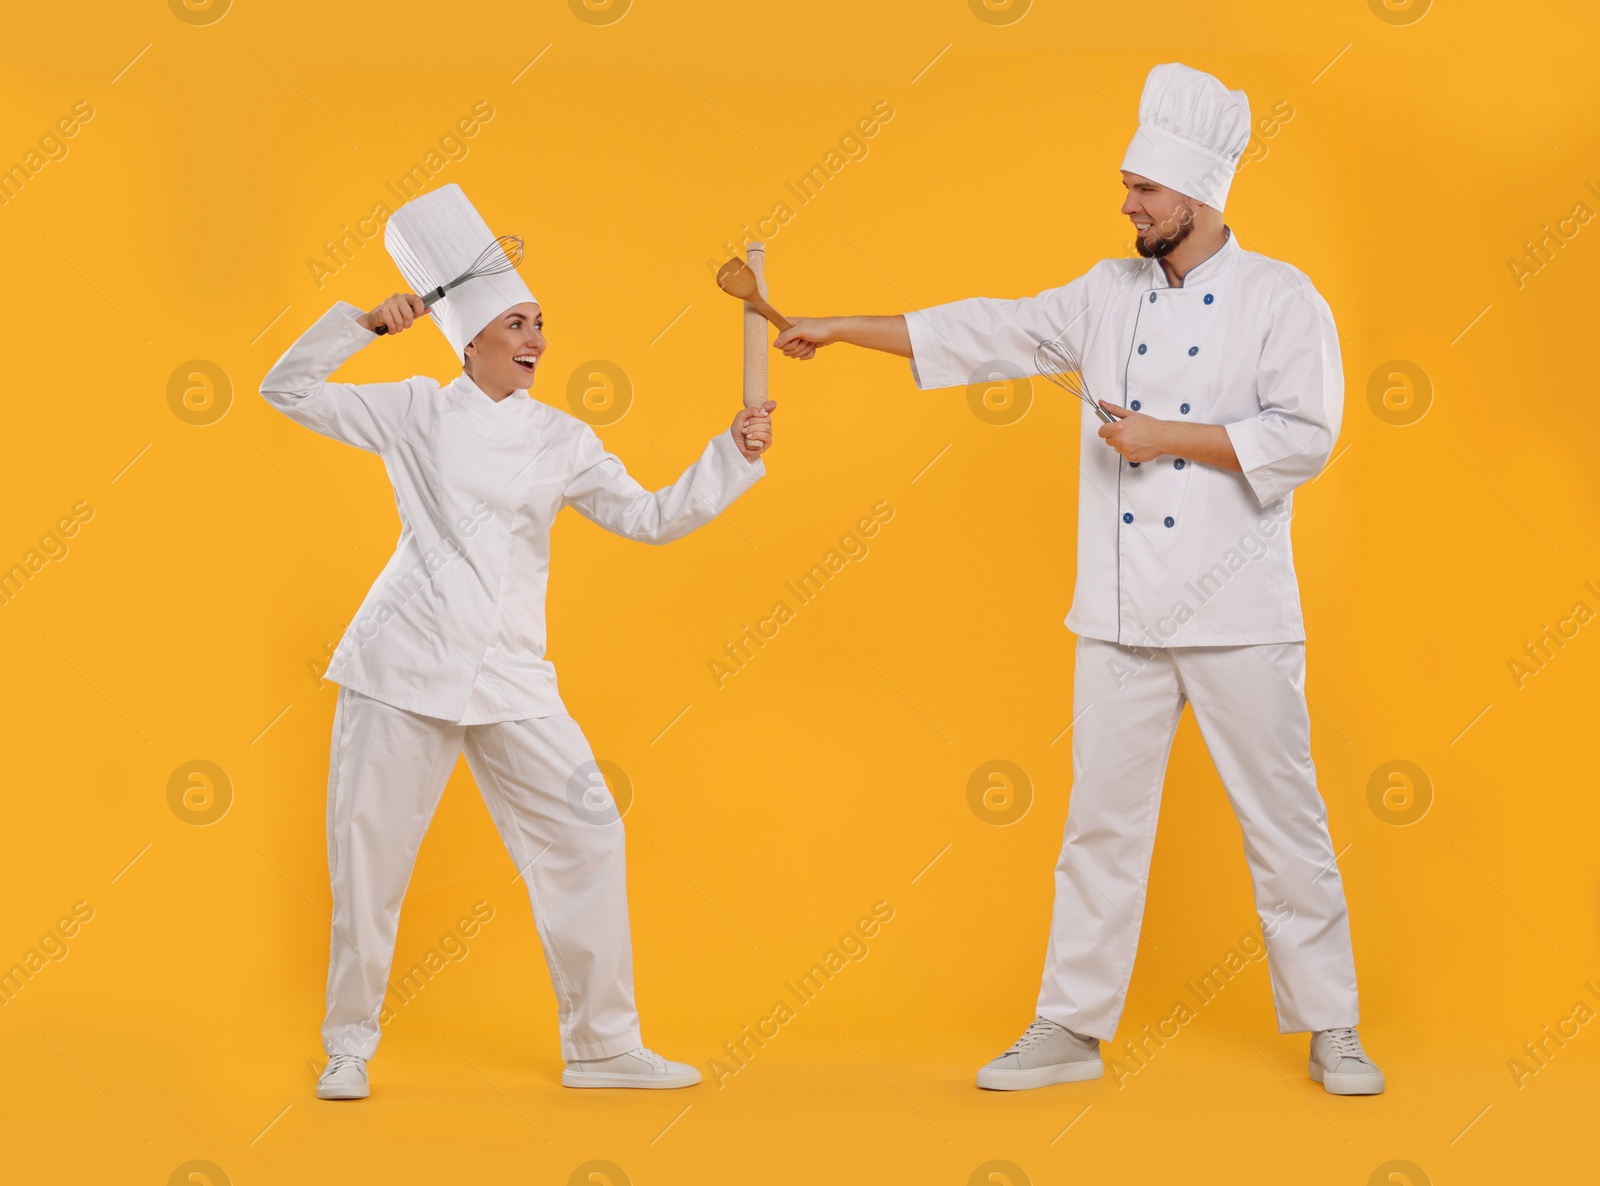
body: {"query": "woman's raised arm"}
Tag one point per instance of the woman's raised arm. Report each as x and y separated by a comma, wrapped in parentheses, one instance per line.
(367, 415)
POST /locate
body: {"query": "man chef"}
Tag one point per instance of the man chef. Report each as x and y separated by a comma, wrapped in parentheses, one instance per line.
(1225, 368)
(447, 650)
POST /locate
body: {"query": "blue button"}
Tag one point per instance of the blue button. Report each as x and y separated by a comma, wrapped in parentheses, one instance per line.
(1193, 350)
(1208, 298)
(1134, 405)
(1141, 347)
(1179, 464)
(1184, 408)
(1134, 464)
(1152, 298)
(1168, 520)
(1128, 517)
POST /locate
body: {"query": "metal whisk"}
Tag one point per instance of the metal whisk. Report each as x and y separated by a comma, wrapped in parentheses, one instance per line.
(503, 255)
(1060, 365)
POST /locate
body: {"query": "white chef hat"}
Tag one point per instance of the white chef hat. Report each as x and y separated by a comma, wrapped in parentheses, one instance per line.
(1191, 132)
(435, 238)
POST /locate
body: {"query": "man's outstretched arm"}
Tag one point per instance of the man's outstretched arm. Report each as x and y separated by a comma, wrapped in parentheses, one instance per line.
(888, 334)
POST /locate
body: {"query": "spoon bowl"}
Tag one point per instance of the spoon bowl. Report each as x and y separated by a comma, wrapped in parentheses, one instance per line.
(736, 279)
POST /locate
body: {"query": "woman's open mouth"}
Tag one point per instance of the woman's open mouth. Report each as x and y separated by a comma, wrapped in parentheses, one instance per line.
(526, 362)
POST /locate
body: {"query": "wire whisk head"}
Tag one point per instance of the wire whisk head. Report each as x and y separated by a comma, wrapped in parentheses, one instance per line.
(503, 255)
(1057, 362)
(1060, 365)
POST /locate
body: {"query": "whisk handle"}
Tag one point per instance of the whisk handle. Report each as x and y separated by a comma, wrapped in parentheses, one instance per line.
(427, 303)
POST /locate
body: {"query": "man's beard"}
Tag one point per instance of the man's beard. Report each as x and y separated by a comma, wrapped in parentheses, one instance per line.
(1159, 247)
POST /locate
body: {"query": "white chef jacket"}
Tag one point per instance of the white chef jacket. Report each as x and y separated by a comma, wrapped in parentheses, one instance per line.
(454, 625)
(1172, 552)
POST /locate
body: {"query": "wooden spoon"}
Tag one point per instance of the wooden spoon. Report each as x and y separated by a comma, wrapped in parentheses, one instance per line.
(736, 279)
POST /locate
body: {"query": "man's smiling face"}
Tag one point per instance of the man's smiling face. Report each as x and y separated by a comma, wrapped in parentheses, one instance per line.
(1162, 218)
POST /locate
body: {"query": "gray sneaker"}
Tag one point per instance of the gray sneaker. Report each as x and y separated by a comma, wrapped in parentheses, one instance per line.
(637, 1068)
(1341, 1066)
(1046, 1053)
(344, 1078)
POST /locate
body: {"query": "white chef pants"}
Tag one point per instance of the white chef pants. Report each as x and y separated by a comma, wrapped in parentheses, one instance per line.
(1249, 702)
(386, 773)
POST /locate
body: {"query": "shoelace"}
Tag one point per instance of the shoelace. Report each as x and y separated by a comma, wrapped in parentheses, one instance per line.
(648, 1055)
(1038, 1030)
(339, 1062)
(1345, 1043)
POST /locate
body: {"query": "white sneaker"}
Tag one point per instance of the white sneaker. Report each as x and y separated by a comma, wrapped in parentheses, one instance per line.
(637, 1068)
(1341, 1066)
(1046, 1053)
(344, 1078)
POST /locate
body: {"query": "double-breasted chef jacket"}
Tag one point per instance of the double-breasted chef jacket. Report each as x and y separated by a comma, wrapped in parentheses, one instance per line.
(454, 625)
(1170, 552)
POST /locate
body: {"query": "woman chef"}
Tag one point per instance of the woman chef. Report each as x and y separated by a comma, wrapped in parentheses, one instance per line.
(447, 650)
(1227, 367)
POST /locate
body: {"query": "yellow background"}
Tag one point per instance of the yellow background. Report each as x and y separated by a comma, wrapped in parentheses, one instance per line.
(221, 563)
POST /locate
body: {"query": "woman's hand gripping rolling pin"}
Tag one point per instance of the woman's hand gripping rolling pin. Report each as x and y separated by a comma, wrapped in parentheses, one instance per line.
(752, 430)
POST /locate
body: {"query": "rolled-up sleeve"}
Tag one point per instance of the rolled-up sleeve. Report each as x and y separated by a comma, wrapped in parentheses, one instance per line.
(367, 415)
(601, 490)
(1300, 387)
(952, 343)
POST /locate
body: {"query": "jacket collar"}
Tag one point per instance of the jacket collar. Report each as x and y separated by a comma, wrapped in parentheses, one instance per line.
(504, 420)
(517, 403)
(1207, 270)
